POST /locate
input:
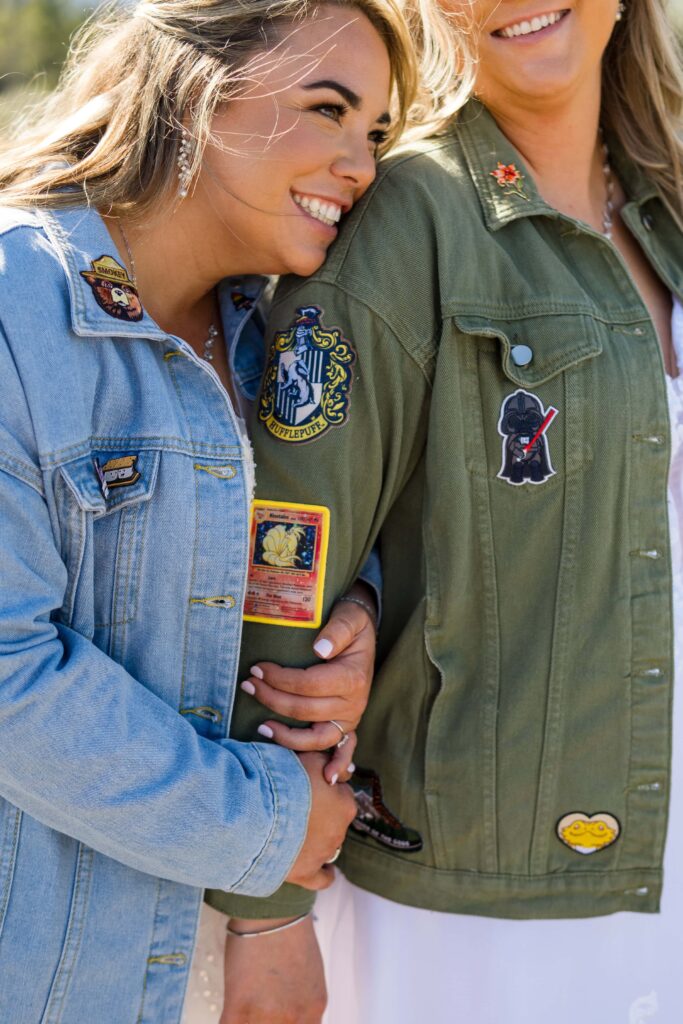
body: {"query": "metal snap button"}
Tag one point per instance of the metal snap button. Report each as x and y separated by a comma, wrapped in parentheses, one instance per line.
(521, 355)
(647, 222)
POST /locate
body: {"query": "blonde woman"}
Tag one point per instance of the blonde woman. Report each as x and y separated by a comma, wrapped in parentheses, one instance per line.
(519, 411)
(192, 146)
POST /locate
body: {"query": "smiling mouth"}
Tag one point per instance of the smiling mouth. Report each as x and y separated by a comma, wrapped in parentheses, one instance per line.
(326, 212)
(530, 27)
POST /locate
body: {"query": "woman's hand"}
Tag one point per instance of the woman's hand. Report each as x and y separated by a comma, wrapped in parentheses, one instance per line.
(333, 808)
(334, 691)
(273, 979)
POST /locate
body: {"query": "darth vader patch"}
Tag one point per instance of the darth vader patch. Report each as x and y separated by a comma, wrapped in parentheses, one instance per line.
(523, 425)
(308, 379)
(114, 292)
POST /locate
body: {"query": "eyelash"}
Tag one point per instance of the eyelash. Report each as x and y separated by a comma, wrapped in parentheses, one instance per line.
(378, 137)
(339, 110)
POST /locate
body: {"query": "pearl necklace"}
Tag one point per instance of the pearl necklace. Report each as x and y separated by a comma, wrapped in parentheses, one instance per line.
(608, 208)
(212, 334)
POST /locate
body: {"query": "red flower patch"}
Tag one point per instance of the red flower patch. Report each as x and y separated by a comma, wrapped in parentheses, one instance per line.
(508, 177)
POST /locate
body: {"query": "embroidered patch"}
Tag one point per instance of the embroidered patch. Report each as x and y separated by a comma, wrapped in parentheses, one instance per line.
(522, 425)
(374, 818)
(240, 300)
(287, 559)
(121, 472)
(104, 488)
(510, 179)
(114, 292)
(584, 834)
(308, 379)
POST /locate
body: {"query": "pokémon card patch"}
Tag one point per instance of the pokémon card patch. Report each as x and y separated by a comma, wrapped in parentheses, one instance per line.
(308, 379)
(287, 559)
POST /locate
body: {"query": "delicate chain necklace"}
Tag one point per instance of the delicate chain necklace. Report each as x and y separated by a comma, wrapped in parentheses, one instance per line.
(212, 334)
(129, 252)
(608, 208)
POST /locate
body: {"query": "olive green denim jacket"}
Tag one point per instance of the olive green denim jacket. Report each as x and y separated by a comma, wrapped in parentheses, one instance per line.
(504, 432)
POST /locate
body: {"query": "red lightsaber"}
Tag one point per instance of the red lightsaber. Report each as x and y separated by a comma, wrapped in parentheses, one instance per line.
(549, 417)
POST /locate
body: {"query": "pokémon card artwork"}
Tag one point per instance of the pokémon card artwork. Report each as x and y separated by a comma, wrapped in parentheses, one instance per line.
(287, 558)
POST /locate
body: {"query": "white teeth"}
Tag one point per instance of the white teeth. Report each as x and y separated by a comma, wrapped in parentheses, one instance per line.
(327, 213)
(526, 28)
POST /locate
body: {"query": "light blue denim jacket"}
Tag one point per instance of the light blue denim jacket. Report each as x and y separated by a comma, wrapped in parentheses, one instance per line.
(120, 623)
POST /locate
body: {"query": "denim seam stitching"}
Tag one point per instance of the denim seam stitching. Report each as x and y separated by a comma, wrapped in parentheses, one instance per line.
(22, 471)
(276, 808)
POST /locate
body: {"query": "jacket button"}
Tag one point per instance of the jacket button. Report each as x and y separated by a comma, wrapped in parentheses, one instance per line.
(647, 222)
(521, 355)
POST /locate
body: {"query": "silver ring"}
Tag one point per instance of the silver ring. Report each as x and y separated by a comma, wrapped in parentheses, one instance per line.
(343, 742)
(335, 856)
(342, 731)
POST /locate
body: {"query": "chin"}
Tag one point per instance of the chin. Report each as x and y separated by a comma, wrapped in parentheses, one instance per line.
(547, 80)
(304, 264)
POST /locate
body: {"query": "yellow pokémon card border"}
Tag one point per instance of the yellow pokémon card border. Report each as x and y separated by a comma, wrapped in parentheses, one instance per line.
(321, 514)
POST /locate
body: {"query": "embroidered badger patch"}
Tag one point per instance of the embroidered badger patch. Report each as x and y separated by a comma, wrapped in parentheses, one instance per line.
(307, 383)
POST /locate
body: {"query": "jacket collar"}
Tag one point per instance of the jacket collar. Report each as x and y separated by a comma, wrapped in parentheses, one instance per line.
(490, 156)
(84, 246)
(81, 239)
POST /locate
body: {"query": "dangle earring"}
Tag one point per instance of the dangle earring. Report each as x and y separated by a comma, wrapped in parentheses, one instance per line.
(184, 166)
(621, 10)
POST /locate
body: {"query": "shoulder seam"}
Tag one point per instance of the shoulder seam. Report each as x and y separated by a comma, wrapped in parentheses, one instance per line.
(422, 365)
(383, 174)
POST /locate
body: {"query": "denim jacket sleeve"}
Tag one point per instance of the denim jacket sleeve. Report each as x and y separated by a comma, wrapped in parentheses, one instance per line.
(371, 575)
(90, 751)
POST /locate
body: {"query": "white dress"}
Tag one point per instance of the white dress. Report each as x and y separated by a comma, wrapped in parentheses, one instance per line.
(386, 963)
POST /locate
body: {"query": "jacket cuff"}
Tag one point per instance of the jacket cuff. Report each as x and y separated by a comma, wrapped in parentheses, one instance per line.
(288, 901)
(291, 801)
(371, 576)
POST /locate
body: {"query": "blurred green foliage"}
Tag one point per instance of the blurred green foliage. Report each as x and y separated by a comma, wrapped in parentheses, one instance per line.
(34, 36)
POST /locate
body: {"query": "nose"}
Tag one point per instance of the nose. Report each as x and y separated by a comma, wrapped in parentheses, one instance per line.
(356, 165)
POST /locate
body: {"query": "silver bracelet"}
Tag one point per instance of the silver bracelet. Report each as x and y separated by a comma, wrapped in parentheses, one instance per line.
(364, 604)
(268, 931)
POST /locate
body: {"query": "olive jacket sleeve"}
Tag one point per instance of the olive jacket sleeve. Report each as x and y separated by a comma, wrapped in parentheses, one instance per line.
(369, 415)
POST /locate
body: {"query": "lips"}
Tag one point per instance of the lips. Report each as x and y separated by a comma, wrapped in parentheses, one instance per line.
(530, 26)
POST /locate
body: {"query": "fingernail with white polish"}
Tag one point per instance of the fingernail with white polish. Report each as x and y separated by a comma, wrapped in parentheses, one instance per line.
(333, 780)
(323, 648)
(256, 671)
(351, 769)
(248, 687)
(265, 730)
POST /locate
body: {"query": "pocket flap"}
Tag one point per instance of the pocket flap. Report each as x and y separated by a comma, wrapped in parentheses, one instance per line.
(555, 342)
(107, 480)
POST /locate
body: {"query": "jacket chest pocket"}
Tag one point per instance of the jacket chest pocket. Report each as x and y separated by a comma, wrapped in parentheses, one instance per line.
(529, 397)
(104, 505)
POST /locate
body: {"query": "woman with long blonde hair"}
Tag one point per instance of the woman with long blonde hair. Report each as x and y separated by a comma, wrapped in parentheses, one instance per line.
(512, 287)
(192, 147)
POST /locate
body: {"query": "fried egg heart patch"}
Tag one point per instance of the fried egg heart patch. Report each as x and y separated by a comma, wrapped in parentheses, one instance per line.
(588, 834)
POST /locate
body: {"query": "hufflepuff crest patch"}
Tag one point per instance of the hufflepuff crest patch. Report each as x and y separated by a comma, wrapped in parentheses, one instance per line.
(308, 379)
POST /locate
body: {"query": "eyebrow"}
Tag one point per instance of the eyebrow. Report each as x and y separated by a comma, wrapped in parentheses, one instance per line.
(352, 98)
